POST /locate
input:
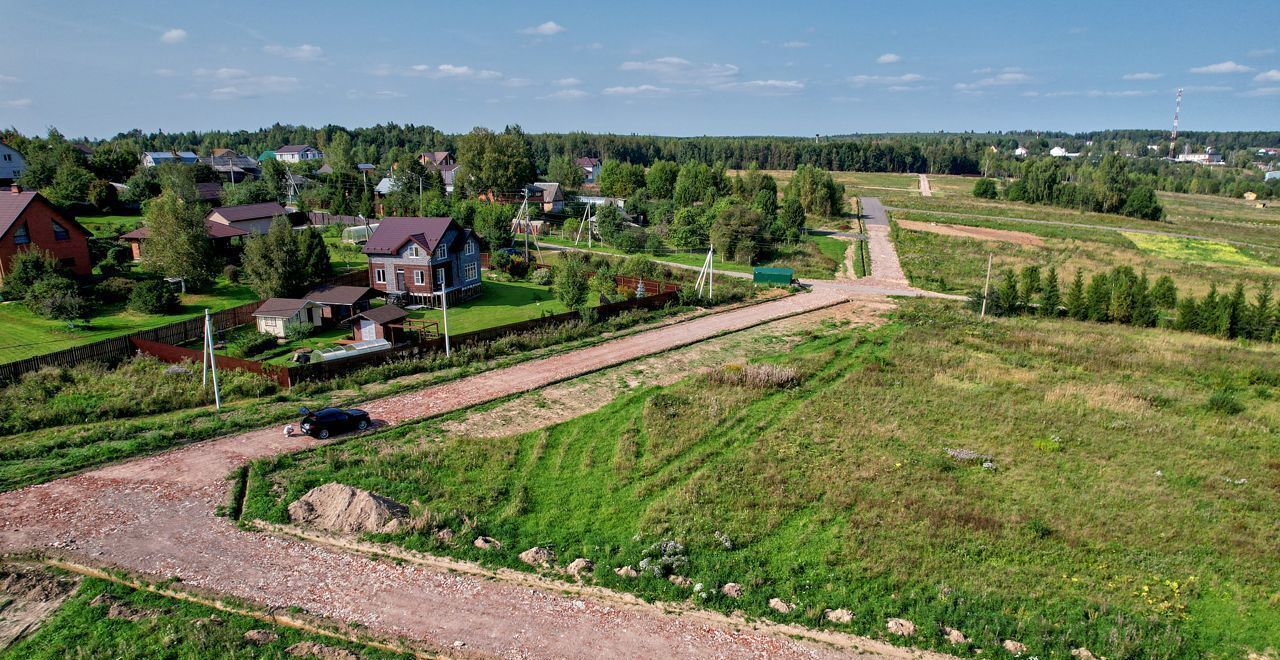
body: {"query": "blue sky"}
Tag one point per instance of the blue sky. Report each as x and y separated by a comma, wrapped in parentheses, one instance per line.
(672, 68)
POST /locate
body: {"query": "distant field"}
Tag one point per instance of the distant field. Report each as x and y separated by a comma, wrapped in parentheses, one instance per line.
(1119, 512)
(958, 265)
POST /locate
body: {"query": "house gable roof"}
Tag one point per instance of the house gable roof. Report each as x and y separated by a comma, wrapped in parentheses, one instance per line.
(243, 212)
(214, 229)
(13, 205)
(587, 161)
(393, 233)
(329, 294)
(381, 314)
(282, 307)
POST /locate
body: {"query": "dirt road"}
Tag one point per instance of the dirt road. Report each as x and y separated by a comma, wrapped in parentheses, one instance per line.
(925, 191)
(979, 233)
(154, 516)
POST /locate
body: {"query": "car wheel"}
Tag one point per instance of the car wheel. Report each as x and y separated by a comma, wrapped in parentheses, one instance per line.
(323, 434)
(364, 424)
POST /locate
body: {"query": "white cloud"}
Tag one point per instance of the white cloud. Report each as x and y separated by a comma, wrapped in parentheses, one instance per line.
(1143, 75)
(303, 53)
(8, 80)
(677, 70)
(225, 73)
(174, 36)
(545, 30)
(1222, 67)
(452, 71)
(768, 87)
(165, 73)
(380, 95)
(18, 103)
(889, 58)
(1261, 52)
(864, 80)
(1009, 76)
(240, 84)
(983, 71)
(795, 44)
(907, 88)
(567, 82)
(1263, 91)
(1123, 92)
(1268, 76)
(636, 90)
(566, 95)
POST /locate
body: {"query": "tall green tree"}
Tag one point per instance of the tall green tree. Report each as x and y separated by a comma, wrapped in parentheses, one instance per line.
(620, 179)
(1098, 298)
(563, 170)
(338, 153)
(178, 243)
(1077, 302)
(660, 180)
(1050, 293)
(272, 264)
(313, 255)
(571, 284)
(495, 163)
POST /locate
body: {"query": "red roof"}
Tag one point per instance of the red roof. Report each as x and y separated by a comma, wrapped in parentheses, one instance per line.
(13, 204)
(393, 233)
(215, 230)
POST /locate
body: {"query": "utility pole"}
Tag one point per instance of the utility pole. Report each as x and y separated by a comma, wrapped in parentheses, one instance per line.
(212, 363)
(986, 289)
(444, 305)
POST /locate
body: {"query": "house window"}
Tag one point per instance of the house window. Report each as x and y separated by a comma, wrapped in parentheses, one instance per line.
(21, 237)
(471, 248)
(419, 277)
(380, 275)
(59, 232)
(8, 157)
(471, 271)
(413, 252)
(439, 283)
(442, 252)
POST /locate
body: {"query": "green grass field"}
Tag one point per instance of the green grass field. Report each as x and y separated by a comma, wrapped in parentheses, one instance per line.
(1190, 249)
(1121, 513)
(500, 303)
(816, 261)
(109, 226)
(166, 628)
(23, 334)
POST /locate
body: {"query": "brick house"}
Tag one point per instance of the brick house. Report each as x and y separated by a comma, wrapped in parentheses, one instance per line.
(28, 221)
(419, 259)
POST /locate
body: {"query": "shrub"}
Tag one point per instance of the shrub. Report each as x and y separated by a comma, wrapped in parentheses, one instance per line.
(500, 261)
(114, 289)
(1224, 402)
(518, 267)
(250, 343)
(984, 189)
(296, 330)
(55, 297)
(232, 273)
(153, 297)
(542, 276)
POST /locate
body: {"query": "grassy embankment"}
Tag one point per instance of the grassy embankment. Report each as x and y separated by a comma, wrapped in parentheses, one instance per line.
(1123, 512)
(164, 628)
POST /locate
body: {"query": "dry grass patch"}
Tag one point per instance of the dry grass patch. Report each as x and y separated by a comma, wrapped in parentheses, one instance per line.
(1106, 396)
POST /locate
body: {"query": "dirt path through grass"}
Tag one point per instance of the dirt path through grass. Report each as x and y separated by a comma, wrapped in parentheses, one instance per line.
(925, 191)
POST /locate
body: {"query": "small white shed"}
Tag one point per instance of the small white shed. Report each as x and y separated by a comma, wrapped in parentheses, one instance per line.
(275, 313)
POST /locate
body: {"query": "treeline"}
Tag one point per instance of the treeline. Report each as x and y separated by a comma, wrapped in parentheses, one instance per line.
(1106, 187)
(1125, 297)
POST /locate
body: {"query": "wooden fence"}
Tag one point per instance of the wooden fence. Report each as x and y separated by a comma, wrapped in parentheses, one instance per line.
(175, 354)
(114, 350)
(324, 370)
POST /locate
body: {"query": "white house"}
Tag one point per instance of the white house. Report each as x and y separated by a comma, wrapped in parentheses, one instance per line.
(153, 158)
(296, 153)
(274, 314)
(590, 168)
(1058, 152)
(1020, 152)
(11, 163)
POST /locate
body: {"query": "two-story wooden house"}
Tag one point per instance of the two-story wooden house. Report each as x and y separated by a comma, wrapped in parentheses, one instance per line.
(419, 260)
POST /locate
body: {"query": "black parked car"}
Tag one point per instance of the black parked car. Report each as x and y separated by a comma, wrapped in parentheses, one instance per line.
(327, 421)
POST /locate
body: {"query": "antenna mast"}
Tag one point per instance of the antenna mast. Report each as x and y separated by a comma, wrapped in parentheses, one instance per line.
(1177, 109)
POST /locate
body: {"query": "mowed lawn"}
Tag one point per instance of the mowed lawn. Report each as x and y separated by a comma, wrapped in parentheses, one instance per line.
(109, 226)
(1119, 511)
(499, 303)
(23, 334)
